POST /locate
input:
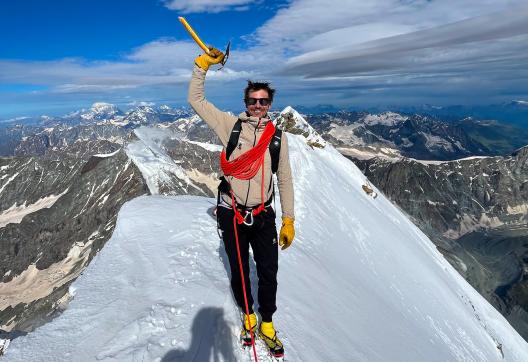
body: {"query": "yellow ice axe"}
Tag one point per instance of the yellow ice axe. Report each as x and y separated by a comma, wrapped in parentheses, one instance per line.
(199, 41)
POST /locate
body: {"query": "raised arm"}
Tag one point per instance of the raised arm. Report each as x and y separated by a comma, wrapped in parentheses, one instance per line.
(220, 122)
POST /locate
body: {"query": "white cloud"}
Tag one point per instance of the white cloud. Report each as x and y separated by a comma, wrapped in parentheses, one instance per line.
(89, 88)
(210, 6)
(227, 73)
(412, 49)
(162, 62)
(165, 52)
(305, 19)
(317, 52)
(385, 50)
(141, 104)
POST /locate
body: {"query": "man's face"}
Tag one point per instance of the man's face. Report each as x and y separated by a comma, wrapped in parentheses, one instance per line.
(257, 109)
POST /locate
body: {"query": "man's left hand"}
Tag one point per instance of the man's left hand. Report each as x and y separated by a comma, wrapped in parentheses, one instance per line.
(287, 232)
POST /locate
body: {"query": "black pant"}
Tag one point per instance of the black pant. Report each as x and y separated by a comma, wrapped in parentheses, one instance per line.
(262, 236)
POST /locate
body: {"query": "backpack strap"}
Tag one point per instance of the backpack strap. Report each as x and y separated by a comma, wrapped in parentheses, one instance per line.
(224, 186)
(274, 149)
(233, 138)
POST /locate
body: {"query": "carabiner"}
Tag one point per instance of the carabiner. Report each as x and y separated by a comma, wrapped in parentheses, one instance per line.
(250, 213)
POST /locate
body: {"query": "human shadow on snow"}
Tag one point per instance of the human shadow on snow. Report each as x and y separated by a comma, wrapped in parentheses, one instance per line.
(211, 339)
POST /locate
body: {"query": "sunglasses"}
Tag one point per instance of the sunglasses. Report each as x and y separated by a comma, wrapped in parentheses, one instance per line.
(262, 101)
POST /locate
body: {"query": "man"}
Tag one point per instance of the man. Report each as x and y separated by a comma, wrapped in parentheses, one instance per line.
(244, 213)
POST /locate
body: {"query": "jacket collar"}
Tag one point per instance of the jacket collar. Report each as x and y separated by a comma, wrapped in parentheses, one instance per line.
(254, 121)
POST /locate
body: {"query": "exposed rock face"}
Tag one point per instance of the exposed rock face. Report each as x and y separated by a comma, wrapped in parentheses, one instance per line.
(57, 213)
(200, 164)
(291, 121)
(476, 210)
(61, 192)
(195, 129)
(62, 136)
(10, 138)
(171, 164)
(458, 196)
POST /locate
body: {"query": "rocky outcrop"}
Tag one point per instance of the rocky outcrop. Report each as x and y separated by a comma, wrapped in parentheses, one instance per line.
(57, 215)
(62, 137)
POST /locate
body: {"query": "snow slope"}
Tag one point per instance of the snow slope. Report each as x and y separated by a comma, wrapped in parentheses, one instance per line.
(360, 283)
(156, 166)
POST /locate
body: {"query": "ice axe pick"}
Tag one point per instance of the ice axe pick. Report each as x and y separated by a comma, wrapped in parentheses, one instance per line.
(199, 41)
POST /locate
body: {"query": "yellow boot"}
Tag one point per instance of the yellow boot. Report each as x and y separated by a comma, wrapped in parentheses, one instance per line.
(268, 334)
(245, 334)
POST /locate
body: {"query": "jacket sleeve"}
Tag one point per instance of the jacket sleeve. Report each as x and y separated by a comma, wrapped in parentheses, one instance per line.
(220, 122)
(285, 180)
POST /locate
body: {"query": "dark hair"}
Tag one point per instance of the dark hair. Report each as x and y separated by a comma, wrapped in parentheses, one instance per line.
(256, 86)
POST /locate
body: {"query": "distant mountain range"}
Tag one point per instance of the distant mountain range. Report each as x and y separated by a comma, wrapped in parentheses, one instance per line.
(513, 113)
(357, 134)
(417, 136)
(105, 113)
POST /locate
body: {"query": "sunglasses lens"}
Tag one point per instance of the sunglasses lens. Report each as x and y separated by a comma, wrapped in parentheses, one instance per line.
(262, 101)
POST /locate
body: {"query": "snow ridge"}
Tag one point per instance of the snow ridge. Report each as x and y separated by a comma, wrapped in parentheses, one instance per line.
(360, 279)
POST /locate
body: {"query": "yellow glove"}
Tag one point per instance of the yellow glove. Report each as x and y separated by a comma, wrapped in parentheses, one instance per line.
(205, 60)
(287, 232)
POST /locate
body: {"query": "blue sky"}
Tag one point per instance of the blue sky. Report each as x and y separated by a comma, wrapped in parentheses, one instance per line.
(58, 56)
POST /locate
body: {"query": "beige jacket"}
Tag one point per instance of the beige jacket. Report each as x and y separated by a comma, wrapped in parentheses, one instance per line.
(246, 192)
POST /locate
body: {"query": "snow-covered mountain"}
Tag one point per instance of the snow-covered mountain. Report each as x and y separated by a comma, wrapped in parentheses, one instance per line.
(416, 135)
(514, 112)
(101, 111)
(360, 283)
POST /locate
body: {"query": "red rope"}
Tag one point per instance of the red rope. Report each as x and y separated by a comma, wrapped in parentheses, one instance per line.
(246, 166)
(243, 280)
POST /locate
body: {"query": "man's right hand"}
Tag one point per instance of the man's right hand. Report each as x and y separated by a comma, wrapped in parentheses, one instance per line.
(205, 60)
(287, 232)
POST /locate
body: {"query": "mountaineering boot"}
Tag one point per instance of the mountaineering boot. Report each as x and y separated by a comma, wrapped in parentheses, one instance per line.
(245, 334)
(268, 334)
